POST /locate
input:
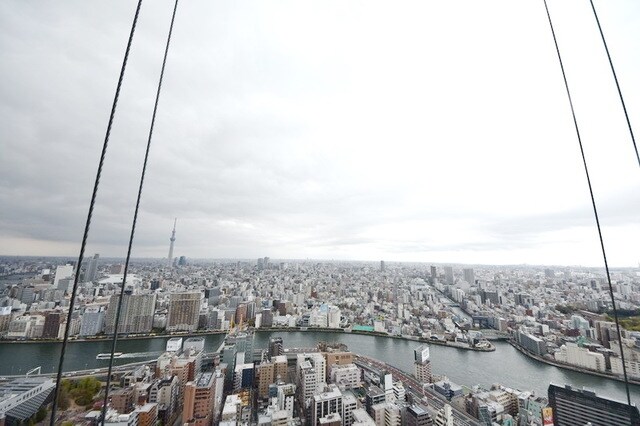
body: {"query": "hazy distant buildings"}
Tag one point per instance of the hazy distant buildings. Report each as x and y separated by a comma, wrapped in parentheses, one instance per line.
(184, 311)
(92, 268)
(469, 275)
(136, 315)
(434, 274)
(62, 272)
(448, 275)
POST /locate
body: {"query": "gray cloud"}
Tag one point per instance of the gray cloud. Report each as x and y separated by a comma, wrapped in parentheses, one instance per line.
(288, 130)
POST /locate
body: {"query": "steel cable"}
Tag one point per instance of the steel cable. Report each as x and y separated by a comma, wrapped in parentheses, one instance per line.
(593, 202)
(90, 214)
(135, 217)
(615, 78)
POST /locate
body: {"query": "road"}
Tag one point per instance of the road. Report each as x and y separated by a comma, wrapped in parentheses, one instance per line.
(428, 395)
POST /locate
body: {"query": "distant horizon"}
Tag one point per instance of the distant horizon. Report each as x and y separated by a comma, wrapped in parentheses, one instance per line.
(326, 260)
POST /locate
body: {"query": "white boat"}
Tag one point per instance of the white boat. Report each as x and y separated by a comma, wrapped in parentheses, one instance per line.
(108, 355)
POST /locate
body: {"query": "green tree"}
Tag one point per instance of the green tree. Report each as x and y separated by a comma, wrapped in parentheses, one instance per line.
(63, 398)
(41, 414)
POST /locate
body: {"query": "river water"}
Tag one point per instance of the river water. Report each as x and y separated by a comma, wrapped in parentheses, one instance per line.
(505, 365)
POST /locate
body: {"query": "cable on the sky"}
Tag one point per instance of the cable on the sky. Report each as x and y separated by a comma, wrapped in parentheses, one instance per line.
(593, 203)
(615, 78)
(90, 214)
(135, 217)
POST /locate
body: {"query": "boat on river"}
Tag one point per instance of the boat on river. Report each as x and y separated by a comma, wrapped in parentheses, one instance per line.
(108, 355)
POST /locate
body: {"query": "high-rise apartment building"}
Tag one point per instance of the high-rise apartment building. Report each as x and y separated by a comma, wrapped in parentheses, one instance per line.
(62, 272)
(92, 321)
(448, 275)
(136, 314)
(469, 276)
(165, 392)
(184, 311)
(434, 274)
(265, 373)
(52, 322)
(92, 268)
(575, 407)
(310, 374)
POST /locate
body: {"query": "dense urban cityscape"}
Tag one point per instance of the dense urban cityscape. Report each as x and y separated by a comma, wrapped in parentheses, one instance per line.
(554, 316)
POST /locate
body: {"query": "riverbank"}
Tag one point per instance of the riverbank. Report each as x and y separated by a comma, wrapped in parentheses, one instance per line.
(569, 366)
(120, 338)
(456, 345)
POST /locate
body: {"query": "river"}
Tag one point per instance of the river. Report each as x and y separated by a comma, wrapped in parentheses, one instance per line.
(505, 365)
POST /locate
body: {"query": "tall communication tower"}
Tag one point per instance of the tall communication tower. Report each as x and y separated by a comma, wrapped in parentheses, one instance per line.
(173, 240)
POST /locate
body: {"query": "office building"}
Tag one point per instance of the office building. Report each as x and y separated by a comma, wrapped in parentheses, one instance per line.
(417, 415)
(575, 407)
(265, 373)
(347, 376)
(310, 374)
(286, 394)
(349, 404)
(359, 417)
(326, 402)
(422, 364)
(199, 400)
(447, 389)
(275, 346)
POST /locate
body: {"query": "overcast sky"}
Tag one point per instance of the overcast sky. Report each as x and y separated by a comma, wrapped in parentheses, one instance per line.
(412, 130)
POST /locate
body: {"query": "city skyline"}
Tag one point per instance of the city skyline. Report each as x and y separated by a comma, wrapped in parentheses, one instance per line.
(334, 131)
